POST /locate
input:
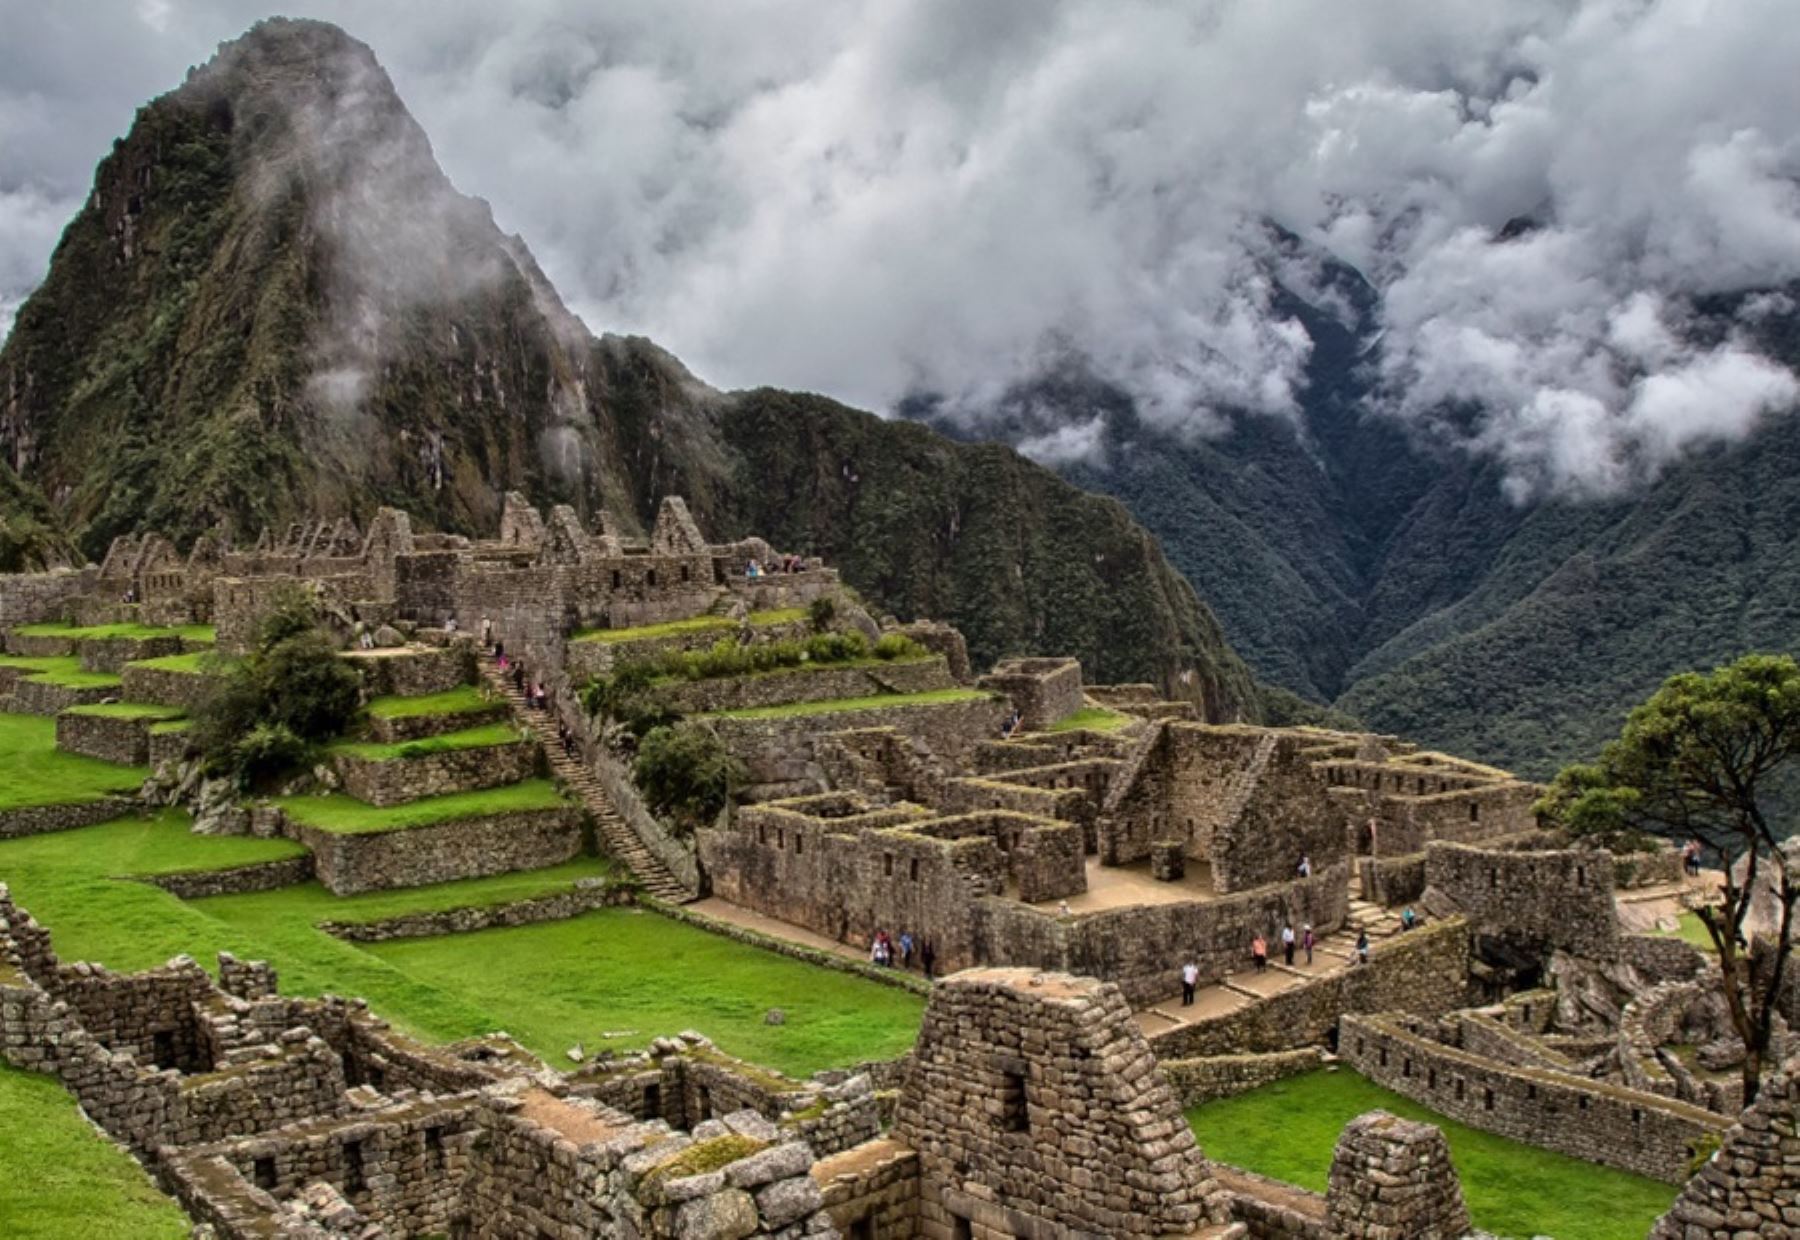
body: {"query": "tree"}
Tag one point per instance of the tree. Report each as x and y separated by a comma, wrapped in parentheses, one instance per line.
(1706, 758)
(686, 774)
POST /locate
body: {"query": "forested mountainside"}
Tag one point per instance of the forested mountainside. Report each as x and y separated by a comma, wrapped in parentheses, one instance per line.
(1355, 565)
(275, 305)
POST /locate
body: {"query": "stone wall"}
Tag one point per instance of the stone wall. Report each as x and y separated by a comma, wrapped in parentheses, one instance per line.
(1424, 973)
(1751, 1187)
(1540, 900)
(39, 598)
(1391, 880)
(1042, 690)
(162, 687)
(111, 654)
(1392, 1177)
(466, 848)
(1035, 1108)
(872, 1192)
(586, 895)
(43, 819)
(414, 671)
(1573, 1115)
(394, 781)
(403, 728)
(237, 880)
(805, 684)
(1195, 1081)
(108, 738)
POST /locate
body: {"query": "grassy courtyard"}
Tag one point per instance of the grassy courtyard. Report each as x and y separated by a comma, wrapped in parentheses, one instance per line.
(197, 633)
(1288, 1131)
(33, 771)
(931, 697)
(462, 700)
(482, 737)
(345, 815)
(551, 986)
(60, 1178)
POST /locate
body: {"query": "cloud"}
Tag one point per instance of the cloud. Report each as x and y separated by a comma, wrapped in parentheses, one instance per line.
(880, 198)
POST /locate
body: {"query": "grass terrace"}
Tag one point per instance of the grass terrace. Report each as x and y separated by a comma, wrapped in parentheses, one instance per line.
(198, 633)
(128, 710)
(934, 697)
(63, 1178)
(170, 726)
(33, 771)
(345, 815)
(697, 624)
(469, 738)
(65, 670)
(464, 700)
(1090, 718)
(618, 971)
(1691, 931)
(1288, 1130)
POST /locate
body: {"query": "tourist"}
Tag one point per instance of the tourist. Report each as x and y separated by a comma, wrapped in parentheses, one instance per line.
(1305, 866)
(1259, 952)
(906, 949)
(450, 624)
(752, 570)
(1373, 825)
(927, 957)
(1190, 977)
(487, 633)
(1408, 918)
(1308, 940)
(540, 699)
(500, 652)
(1690, 857)
(1287, 944)
(1362, 947)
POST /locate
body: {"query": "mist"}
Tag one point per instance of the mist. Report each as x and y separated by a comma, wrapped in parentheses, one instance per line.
(874, 200)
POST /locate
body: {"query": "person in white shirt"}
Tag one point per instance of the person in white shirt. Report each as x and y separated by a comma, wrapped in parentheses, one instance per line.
(1190, 977)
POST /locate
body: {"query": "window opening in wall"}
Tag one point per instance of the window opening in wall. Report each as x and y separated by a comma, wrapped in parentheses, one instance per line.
(1383, 1056)
(1431, 1078)
(263, 1173)
(863, 1228)
(702, 1104)
(1459, 1089)
(1487, 1099)
(434, 1147)
(686, 574)
(1014, 1116)
(913, 868)
(799, 843)
(1637, 1115)
(162, 1048)
(887, 865)
(961, 1228)
(1474, 811)
(780, 839)
(1494, 879)
(1406, 1067)
(762, 834)
(653, 1102)
(618, 579)
(1582, 1102)
(353, 1167)
(1581, 876)
(650, 577)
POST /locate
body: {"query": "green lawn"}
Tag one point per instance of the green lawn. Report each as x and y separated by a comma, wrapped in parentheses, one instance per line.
(635, 973)
(33, 771)
(187, 632)
(1094, 718)
(549, 985)
(698, 624)
(934, 697)
(465, 699)
(128, 710)
(1288, 1131)
(1691, 931)
(59, 1178)
(469, 738)
(345, 815)
(68, 672)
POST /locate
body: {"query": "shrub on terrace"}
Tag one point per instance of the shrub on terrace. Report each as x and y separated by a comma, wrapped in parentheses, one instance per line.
(686, 774)
(266, 714)
(821, 612)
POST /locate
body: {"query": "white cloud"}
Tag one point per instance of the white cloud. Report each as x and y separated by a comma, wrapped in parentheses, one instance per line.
(869, 199)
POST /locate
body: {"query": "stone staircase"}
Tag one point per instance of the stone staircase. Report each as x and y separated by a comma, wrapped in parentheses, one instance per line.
(616, 835)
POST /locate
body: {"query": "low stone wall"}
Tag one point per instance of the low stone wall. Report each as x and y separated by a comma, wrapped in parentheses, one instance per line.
(808, 684)
(586, 895)
(40, 598)
(1749, 1187)
(897, 978)
(1663, 958)
(398, 731)
(416, 670)
(394, 781)
(1271, 1209)
(111, 654)
(1651, 869)
(303, 1080)
(1195, 1081)
(106, 737)
(43, 819)
(168, 745)
(39, 646)
(1572, 1115)
(466, 848)
(1043, 690)
(238, 880)
(36, 696)
(162, 687)
(1391, 880)
(1423, 973)
(588, 659)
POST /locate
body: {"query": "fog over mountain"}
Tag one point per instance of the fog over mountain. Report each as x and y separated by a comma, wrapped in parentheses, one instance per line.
(881, 199)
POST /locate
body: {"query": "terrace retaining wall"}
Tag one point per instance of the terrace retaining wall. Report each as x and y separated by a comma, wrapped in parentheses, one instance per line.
(465, 848)
(397, 780)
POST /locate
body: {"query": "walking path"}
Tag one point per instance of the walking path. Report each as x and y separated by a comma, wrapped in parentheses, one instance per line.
(622, 843)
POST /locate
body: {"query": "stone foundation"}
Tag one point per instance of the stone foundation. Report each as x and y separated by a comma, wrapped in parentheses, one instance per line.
(395, 781)
(466, 848)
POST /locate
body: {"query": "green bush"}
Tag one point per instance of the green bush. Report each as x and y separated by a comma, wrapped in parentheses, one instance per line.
(685, 773)
(267, 713)
(897, 646)
(822, 613)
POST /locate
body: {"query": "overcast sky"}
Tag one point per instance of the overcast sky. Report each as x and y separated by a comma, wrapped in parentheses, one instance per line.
(870, 199)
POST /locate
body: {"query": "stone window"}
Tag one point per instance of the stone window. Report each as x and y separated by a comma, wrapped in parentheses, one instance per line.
(914, 866)
(686, 574)
(762, 833)
(618, 579)
(434, 1147)
(1474, 811)
(1015, 1116)
(887, 865)
(1383, 1056)
(862, 1229)
(162, 1048)
(263, 1173)
(1637, 1115)
(354, 1181)
(1581, 876)
(1459, 1089)
(653, 1101)
(1406, 1067)
(780, 839)
(1431, 1079)
(650, 577)
(1487, 1099)
(799, 843)
(961, 1228)
(1582, 1102)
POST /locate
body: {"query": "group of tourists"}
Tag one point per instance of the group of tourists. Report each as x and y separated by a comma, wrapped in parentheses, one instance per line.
(889, 952)
(788, 564)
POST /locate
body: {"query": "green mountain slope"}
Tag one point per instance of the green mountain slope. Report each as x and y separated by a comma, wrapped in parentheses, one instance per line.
(274, 305)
